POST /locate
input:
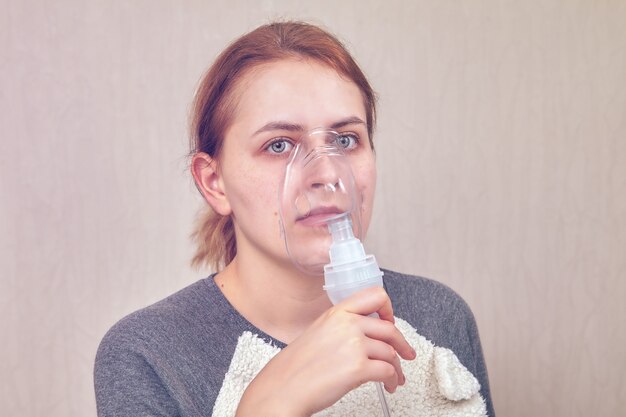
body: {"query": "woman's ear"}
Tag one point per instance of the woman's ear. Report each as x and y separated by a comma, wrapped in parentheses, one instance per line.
(209, 182)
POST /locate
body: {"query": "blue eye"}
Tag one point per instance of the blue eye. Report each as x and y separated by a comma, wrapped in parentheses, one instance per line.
(279, 146)
(347, 140)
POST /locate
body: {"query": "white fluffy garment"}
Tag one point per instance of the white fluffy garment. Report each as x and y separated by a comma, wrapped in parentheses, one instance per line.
(437, 383)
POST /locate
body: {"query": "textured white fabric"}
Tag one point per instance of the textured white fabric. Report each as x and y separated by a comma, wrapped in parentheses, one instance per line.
(251, 355)
(455, 382)
(437, 383)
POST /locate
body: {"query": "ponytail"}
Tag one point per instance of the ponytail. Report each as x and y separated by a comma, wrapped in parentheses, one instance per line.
(215, 241)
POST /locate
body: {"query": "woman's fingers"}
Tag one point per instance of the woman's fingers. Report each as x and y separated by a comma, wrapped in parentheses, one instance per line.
(388, 333)
(384, 342)
(381, 351)
(381, 371)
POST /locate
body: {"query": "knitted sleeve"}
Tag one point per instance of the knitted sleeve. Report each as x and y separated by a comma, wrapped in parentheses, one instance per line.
(126, 384)
(475, 353)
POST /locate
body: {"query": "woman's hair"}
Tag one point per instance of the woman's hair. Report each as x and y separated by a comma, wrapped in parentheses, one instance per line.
(215, 103)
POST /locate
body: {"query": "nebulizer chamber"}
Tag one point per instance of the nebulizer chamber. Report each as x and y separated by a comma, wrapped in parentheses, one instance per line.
(320, 210)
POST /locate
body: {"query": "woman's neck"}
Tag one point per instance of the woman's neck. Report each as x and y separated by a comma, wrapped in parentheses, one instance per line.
(277, 299)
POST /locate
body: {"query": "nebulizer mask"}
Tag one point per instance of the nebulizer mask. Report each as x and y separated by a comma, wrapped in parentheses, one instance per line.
(318, 189)
(320, 209)
(320, 212)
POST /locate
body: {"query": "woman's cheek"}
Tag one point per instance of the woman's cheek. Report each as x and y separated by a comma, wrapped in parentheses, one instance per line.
(365, 178)
(367, 183)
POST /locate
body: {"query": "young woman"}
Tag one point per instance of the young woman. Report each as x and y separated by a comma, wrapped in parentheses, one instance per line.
(259, 337)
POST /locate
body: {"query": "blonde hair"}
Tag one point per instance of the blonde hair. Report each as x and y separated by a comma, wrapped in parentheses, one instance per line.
(214, 105)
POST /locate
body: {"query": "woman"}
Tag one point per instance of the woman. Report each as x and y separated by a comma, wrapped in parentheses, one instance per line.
(194, 353)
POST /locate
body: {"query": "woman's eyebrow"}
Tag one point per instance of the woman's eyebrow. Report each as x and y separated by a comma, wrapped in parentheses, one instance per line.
(280, 125)
(293, 127)
(347, 121)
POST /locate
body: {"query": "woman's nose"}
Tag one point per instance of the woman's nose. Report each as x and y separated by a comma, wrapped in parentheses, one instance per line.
(323, 174)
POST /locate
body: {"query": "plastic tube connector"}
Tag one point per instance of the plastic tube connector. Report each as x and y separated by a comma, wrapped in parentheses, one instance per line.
(350, 269)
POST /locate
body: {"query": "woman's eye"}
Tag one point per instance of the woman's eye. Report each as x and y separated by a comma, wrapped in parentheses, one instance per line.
(280, 146)
(347, 140)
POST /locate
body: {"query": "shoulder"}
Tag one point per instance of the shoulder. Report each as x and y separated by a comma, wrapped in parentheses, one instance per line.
(163, 318)
(424, 294)
(188, 320)
(435, 310)
(165, 354)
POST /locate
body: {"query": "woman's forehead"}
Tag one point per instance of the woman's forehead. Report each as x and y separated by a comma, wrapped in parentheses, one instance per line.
(302, 92)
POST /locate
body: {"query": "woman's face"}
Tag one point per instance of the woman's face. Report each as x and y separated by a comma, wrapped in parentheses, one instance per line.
(276, 104)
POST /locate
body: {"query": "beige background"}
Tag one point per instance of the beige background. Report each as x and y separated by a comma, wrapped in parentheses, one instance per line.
(502, 154)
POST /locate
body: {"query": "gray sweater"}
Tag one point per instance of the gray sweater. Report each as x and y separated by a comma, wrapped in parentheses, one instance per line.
(171, 358)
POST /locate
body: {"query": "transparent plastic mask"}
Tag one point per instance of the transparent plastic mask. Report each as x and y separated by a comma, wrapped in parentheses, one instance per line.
(318, 187)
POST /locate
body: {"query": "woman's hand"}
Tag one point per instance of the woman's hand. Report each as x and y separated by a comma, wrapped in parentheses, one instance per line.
(341, 350)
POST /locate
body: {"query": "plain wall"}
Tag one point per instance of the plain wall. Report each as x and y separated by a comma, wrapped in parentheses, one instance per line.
(501, 148)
